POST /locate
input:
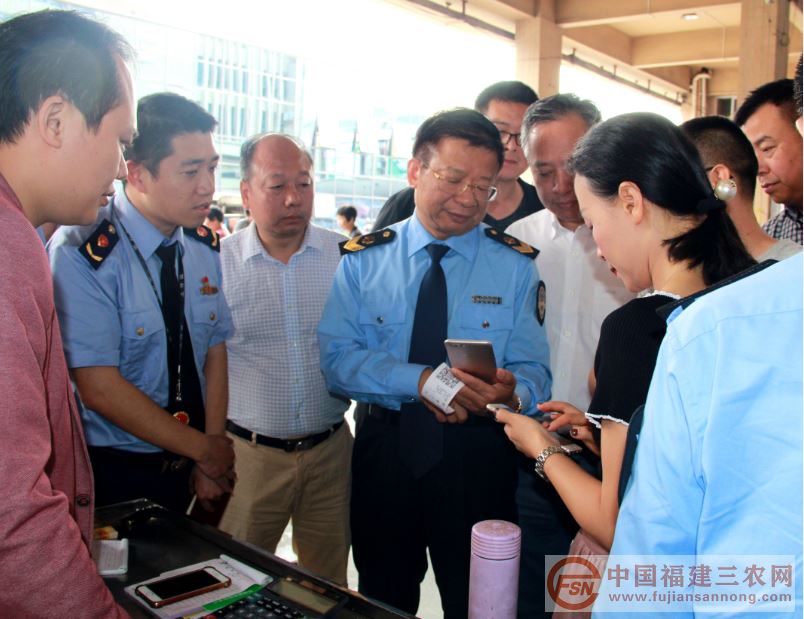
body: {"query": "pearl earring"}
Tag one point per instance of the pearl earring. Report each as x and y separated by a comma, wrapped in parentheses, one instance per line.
(725, 189)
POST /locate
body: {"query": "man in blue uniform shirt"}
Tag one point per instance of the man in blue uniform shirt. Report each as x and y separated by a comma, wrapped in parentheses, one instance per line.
(144, 321)
(718, 468)
(423, 478)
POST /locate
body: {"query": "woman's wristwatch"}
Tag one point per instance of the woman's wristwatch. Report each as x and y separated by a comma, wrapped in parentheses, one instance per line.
(542, 458)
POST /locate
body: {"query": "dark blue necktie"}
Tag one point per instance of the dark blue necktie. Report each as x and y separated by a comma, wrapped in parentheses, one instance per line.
(421, 437)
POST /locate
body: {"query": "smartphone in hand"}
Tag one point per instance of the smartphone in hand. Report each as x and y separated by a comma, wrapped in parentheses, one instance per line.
(475, 357)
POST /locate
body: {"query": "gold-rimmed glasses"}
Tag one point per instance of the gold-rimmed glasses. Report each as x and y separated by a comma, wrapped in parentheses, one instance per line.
(456, 188)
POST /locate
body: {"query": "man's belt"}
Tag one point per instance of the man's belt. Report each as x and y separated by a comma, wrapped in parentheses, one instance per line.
(290, 445)
(391, 418)
(156, 462)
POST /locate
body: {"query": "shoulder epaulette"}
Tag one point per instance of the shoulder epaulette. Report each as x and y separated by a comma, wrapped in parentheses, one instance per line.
(364, 241)
(512, 242)
(206, 235)
(100, 243)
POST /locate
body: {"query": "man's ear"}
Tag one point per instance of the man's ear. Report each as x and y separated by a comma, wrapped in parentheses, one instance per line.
(51, 120)
(245, 194)
(631, 200)
(137, 175)
(414, 171)
(717, 173)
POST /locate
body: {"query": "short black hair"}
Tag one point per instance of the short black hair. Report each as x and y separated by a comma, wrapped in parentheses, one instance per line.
(651, 152)
(215, 214)
(349, 213)
(249, 147)
(555, 107)
(57, 52)
(719, 140)
(460, 123)
(779, 93)
(510, 91)
(797, 86)
(160, 118)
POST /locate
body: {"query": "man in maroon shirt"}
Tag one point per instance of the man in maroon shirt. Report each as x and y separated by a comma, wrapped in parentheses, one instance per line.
(66, 110)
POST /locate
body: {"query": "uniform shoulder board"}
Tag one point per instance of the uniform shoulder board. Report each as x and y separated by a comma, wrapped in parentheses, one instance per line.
(365, 241)
(512, 242)
(205, 235)
(99, 244)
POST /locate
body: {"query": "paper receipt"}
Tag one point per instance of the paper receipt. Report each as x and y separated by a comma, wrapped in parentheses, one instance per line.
(441, 387)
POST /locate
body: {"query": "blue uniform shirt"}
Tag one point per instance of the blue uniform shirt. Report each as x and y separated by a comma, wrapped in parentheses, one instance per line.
(111, 316)
(718, 469)
(364, 334)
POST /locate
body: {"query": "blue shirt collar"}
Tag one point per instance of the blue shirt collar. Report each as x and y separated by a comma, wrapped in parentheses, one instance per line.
(144, 233)
(465, 245)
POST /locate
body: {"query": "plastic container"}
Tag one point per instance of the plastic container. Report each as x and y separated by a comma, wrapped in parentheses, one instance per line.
(494, 570)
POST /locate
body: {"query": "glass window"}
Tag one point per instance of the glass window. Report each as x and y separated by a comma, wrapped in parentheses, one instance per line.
(289, 66)
(290, 91)
(362, 186)
(199, 80)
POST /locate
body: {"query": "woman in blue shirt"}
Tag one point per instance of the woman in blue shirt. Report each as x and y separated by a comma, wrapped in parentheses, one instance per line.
(644, 194)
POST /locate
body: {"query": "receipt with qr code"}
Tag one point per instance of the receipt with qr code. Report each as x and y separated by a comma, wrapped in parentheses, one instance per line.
(441, 387)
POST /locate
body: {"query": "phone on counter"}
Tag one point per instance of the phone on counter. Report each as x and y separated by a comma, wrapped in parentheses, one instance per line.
(568, 444)
(473, 356)
(176, 588)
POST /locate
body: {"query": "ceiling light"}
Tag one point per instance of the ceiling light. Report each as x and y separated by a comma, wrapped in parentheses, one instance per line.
(689, 16)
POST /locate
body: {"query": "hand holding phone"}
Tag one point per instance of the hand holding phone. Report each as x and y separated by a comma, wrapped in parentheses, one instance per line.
(182, 586)
(475, 357)
(569, 445)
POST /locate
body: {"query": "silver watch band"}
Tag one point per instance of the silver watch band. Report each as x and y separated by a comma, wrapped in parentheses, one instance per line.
(542, 458)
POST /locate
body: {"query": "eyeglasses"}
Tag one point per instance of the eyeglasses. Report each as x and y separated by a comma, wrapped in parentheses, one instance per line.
(456, 188)
(506, 137)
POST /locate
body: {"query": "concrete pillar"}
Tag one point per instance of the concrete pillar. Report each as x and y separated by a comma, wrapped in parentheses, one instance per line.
(764, 46)
(538, 54)
(764, 43)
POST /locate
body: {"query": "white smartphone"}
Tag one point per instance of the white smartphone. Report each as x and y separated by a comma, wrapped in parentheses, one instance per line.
(571, 446)
(473, 356)
(176, 588)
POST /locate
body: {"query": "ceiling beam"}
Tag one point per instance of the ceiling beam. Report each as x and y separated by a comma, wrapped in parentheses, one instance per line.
(577, 13)
(603, 39)
(680, 76)
(697, 47)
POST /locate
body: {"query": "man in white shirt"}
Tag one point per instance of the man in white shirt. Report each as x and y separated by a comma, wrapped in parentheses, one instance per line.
(580, 291)
(293, 450)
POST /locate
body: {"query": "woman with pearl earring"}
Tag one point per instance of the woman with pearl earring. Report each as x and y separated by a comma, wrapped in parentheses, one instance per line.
(731, 166)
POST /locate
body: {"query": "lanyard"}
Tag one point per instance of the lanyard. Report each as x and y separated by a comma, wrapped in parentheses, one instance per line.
(144, 264)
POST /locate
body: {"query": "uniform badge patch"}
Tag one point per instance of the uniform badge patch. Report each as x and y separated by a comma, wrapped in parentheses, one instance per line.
(207, 288)
(512, 242)
(99, 244)
(541, 302)
(205, 235)
(364, 241)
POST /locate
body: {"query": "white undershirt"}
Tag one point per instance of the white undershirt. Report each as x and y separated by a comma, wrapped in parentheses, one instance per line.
(581, 291)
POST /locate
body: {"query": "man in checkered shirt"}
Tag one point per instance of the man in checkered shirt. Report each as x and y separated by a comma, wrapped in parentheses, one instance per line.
(768, 117)
(293, 450)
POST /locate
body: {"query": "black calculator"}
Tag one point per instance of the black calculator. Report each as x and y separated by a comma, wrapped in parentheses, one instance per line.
(263, 605)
